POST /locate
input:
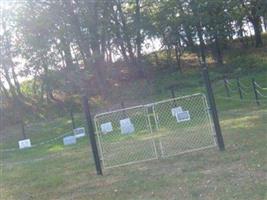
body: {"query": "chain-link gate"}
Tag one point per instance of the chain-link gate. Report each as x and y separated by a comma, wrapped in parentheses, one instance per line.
(167, 128)
(125, 136)
(183, 125)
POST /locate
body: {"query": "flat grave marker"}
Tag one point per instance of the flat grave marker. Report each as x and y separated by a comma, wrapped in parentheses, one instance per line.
(79, 132)
(68, 140)
(24, 144)
(106, 127)
(126, 126)
(183, 116)
(176, 110)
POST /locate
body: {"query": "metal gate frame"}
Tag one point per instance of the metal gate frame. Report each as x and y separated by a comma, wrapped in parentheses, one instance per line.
(208, 118)
(157, 148)
(149, 132)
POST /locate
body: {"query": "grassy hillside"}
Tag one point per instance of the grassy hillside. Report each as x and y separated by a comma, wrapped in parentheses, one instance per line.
(54, 171)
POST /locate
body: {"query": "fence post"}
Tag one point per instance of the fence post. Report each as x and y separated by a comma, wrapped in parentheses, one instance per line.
(92, 135)
(214, 112)
(239, 88)
(173, 96)
(255, 91)
(226, 87)
(211, 98)
(123, 111)
(72, 119)
(23, 129)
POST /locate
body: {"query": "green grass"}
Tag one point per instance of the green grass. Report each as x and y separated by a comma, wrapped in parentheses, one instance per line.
(54, 171)
(68, 173)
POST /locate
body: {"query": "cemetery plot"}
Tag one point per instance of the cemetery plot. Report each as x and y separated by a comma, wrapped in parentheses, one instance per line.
(183, 124)
(125, 136)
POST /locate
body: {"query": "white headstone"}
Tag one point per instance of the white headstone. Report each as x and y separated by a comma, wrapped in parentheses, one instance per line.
(176, 110)
(106, 127)
(79, 132)
(183, 116)
(126, 126)
(24, 143)
(69, 140)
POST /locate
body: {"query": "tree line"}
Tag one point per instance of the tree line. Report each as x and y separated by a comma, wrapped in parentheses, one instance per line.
(61, 46)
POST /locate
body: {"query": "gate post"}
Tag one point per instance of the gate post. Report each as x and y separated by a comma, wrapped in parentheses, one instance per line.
(209, 89)
(213, 108)
(91, 133)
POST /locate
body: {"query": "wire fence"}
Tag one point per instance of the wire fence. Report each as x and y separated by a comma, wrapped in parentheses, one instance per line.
(160, 129)
(42, 133)
(254, 92)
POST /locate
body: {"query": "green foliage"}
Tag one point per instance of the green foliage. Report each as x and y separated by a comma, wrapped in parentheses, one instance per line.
(66, 47)
(249, 63)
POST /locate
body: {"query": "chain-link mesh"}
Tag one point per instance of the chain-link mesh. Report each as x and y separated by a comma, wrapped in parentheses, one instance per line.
(125, 137)
(170, 127)
(183, 124)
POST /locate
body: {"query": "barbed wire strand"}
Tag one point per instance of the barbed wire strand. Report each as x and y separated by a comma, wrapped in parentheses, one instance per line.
(243, 100)
(262, 88)
(244, 86)
(244, 91)
(262, 95)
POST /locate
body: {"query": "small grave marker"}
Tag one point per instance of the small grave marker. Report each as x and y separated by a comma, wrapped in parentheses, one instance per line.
(24, 143)
(68, 140)
(106, 128)
(176, 110)
(126, 126)
(183, 116)
(79, 132)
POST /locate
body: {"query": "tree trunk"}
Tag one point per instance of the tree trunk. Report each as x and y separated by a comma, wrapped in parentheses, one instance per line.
(119, 38)
(202, 43)
(139, 66)
(178, 58)
(67, 53)
(169, 55)
(265, 23)
(138, 33)
(126, 34)
(8, 65)
(4, 90)
(98, 56)
(188, 32)
(110, 60)
(189, 37)
(241, 33)
(218, 50)
(256, 22)
(84, 45)
(156, 58)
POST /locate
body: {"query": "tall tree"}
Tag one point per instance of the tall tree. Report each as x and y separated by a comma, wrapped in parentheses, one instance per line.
(255, 9)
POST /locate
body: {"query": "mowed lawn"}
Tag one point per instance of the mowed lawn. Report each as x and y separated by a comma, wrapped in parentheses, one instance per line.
(54, 171)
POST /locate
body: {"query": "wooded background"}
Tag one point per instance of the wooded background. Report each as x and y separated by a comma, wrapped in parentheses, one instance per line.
(53, 50)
